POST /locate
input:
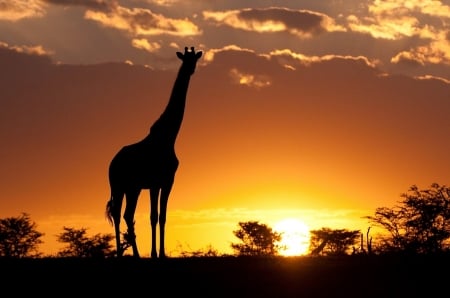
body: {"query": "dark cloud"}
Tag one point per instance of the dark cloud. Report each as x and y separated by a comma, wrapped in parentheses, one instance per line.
(293, 19)
(18, 63)
(103, 5)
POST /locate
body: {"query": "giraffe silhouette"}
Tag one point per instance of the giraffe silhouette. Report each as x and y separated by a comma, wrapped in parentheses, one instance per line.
(150, 164)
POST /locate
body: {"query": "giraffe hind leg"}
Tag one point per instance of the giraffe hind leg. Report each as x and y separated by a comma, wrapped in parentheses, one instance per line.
(113, 209)
(118, 244)
(130, 208)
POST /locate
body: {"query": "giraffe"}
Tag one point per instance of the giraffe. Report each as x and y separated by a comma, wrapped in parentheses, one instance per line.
(150, 164)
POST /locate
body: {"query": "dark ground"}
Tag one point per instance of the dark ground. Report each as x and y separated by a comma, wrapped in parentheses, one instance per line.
(352, 276)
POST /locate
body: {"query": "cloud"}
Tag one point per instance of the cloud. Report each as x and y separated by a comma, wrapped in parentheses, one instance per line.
(302, 23)
(30, 50)
(164, 2)
(430, 77)
(136, 22)
(14, 10)
(394, 19)
(395, 7)
(93, 4)
(286, 56)
(143, 22)
(436, 52)
(144, 44)
(386, 27)
(401, 19)
(209, 54)
(247, 79)
(253, 72)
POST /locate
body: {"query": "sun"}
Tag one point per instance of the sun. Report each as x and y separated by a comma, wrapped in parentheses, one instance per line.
(294, 237)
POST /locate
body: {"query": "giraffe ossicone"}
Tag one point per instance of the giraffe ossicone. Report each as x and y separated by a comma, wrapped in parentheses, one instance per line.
(150, 164)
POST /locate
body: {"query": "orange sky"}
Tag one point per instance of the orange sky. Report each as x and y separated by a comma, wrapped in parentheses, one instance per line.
(268, 133)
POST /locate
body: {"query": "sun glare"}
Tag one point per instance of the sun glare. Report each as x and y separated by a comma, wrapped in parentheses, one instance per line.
(294, 237)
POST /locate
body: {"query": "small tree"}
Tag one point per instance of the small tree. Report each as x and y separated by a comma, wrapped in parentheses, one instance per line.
(257, 240)
(19, 237)
(80, 245)
(328, 242)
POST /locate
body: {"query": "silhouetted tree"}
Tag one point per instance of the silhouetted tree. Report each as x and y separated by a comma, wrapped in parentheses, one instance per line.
(334, 242)
(420, 223)
(19, 237)
(80, 245)
(257, 240)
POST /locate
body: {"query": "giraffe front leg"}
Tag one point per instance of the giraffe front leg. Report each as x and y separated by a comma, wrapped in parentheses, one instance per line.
(153, 227)
(154, 193)
(162, 253)
(162, 220)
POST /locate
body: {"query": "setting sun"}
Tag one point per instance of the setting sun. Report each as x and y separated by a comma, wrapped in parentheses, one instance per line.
(295, 237)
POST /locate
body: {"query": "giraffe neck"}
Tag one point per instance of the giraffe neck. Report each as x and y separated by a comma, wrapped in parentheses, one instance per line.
(169, 123)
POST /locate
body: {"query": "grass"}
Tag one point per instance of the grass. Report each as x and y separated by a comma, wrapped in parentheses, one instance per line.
(351, 276)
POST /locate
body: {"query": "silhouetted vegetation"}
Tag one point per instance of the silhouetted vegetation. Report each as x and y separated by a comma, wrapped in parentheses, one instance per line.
(333, 242)
(366, 247)
(420, 223)
(257, 240)
(82, 246)
(19, 237)
(209, 251)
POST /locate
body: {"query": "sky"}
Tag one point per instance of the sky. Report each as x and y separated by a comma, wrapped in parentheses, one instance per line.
(320, 111)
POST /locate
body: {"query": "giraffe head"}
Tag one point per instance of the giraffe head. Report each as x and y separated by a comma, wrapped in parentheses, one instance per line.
(189, 59)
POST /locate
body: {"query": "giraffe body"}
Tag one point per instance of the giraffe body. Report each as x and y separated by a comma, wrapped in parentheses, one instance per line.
(150, 164)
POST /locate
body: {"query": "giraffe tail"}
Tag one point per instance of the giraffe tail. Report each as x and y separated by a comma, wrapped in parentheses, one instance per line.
(109, 210)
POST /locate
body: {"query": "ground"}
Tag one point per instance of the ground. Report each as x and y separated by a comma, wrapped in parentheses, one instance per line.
(352, 276)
